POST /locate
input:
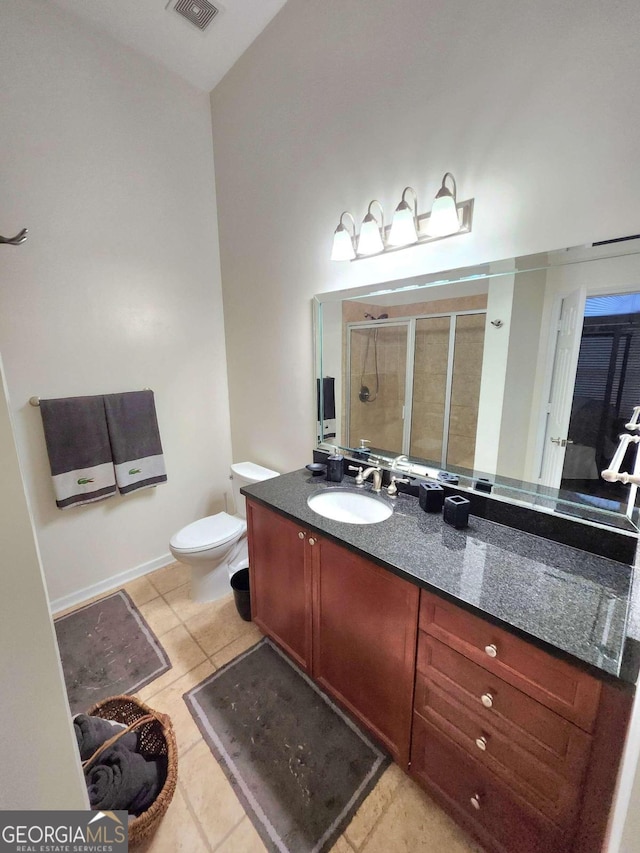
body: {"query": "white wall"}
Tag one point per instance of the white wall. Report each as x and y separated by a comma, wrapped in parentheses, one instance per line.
(107, 158)
(531, 106)
(41, 765)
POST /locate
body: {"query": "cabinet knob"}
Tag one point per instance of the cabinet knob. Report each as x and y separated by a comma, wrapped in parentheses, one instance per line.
(475, 802)
(301, 535)
(487, 700)
(491, 650)
(312, 541)
(481, 743)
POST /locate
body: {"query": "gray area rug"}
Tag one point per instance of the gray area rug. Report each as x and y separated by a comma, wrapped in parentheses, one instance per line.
(107, 649)
(299, 766)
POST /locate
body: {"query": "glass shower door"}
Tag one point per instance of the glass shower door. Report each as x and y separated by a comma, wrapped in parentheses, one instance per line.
(377, 384)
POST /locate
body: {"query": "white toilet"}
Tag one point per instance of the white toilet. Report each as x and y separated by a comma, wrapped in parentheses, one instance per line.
(216, 546)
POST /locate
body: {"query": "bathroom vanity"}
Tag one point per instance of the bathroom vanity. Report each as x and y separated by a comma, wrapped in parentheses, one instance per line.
(487, 660)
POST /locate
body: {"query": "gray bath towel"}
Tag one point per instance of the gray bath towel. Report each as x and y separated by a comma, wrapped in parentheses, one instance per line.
(75, 431)
(135, 440)
(92, 732)
(121, 779)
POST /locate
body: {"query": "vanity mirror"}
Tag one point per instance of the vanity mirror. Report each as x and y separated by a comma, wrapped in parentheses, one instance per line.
(522, 372)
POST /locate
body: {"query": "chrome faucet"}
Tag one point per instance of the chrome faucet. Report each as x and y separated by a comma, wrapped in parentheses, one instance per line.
(377, 477)
(361, 476)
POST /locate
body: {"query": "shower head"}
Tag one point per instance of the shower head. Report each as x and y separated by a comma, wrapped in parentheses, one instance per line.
(368, 316)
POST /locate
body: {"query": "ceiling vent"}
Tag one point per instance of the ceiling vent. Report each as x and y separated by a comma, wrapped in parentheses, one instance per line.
(198, 12)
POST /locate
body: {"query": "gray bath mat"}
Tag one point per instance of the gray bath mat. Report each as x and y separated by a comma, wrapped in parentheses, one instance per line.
(299, 766)
(107, 649)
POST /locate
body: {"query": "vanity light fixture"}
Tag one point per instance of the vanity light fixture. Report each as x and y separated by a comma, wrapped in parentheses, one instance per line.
(444, 213)
(404, 227)
(447, 218)
(343, 241)
(371, 240)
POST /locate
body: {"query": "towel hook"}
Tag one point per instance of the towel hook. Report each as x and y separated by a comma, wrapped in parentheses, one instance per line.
(17, 240)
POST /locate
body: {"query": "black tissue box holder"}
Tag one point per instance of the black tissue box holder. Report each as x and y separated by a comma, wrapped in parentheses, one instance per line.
(456, 511)
(431, 497)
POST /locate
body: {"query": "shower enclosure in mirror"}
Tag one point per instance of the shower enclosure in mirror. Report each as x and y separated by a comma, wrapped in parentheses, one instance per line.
(522, 371)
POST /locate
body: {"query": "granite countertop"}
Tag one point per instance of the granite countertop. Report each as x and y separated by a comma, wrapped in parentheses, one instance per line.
(566, 599)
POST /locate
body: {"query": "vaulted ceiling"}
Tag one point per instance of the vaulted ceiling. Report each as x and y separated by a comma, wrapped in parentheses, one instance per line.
(154, 28)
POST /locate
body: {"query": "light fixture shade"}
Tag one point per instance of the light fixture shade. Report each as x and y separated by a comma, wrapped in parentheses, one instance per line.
(403, 227)
(444, 216)
(343, 241)
(370, 240)
(444, 219)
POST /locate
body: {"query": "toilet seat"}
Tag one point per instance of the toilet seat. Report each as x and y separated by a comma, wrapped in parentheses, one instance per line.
(208, 532)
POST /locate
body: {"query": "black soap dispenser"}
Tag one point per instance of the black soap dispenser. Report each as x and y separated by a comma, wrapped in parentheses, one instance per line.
(335, 468)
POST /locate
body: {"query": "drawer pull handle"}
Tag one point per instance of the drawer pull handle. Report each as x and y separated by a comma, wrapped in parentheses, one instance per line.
(301, 535)
(491, 650)
(481, 743)
(312, 541)
(475, 802)
(487, 700)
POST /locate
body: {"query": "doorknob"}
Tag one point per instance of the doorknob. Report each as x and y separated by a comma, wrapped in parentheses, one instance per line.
(561, 442)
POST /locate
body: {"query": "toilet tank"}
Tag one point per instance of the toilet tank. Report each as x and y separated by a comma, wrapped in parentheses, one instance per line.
(243, 474)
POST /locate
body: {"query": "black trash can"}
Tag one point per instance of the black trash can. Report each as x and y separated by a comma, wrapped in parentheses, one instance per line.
(242, 594)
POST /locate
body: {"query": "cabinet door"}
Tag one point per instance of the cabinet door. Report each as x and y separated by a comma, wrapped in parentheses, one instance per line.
(364, 641)
(280, 571)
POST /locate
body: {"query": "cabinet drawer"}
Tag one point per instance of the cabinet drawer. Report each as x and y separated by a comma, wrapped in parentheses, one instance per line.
(474, 794)
(550, 793)
(560, 686)
(542, 733)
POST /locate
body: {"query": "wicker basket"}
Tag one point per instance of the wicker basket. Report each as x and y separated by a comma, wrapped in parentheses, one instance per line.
(155, 739)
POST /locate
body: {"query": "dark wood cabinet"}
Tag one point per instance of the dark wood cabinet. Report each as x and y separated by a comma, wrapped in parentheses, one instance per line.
(280, 567)
(364, 639)
(511, 739)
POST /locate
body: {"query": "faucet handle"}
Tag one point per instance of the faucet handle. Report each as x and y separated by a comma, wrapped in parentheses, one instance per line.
(359, 479)
(392, 489)
(363, 443)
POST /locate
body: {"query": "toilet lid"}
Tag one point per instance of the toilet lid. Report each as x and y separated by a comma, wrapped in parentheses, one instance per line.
(212, 530)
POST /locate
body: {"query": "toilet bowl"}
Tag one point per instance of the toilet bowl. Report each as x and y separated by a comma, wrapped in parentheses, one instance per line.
(216, 546)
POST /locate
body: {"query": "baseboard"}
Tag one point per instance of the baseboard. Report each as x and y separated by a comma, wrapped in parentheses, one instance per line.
(114, 582)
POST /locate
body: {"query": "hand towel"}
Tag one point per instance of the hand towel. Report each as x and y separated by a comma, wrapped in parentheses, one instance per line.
(92, 732)
(75, 431)
(121, 779)
(135, 440)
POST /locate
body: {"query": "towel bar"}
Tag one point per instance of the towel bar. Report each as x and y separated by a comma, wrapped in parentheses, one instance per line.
(35, 401)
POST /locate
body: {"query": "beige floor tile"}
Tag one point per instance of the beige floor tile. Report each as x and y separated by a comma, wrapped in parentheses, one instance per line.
(249, 638)
(369, 812)
(414, 824)
(217, 628)
(185, 607)
(159, 616)
(141, 590)
(170, 577)
(209, 793)
(243, 839)
(342, 846)
(169, 701)
(184, 654)
(177, 831)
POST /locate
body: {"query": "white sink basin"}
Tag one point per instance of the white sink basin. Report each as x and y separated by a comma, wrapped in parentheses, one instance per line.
(350, 507)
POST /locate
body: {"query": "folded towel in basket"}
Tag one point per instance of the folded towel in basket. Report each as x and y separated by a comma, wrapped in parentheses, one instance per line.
(92, 732)
(75, 431)
(135, 440)
(121, 779)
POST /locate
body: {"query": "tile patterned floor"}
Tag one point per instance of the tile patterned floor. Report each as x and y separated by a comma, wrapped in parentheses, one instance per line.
(205, 815)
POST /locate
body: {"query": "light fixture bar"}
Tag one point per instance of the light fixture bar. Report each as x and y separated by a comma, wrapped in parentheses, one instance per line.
(465, 215)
